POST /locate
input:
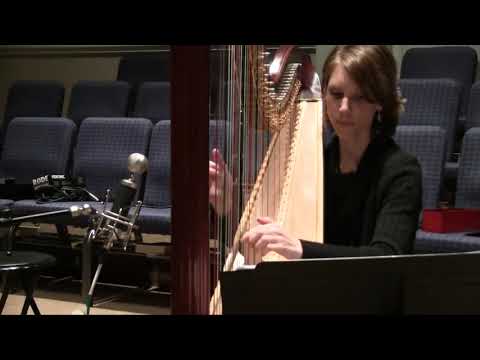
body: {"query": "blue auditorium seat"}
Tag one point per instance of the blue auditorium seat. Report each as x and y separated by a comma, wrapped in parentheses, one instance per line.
(98, 99)
(33, 98)
(153, 101)
(467, 196)
(452, 62)
(103, 147)
(37, 146)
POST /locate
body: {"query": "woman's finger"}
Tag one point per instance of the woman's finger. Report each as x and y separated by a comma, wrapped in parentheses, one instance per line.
(279, 248)
(247, 237)
(264, 220)
(264, 240)
(218, 158)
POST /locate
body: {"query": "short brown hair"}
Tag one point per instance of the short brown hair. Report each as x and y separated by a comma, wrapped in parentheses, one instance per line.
(374, 69)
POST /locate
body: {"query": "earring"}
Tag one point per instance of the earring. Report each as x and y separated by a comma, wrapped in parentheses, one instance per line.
(379, 117)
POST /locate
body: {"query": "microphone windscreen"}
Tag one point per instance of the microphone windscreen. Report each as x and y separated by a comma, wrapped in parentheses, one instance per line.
(123, 198)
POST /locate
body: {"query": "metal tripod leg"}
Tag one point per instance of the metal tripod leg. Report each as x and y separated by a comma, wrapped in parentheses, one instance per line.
(89, 299)
(87, 262)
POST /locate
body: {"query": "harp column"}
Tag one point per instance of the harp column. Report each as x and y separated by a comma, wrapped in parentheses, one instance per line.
(189, 179)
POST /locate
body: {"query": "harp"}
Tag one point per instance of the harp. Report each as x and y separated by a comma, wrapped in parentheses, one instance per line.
(272, 141)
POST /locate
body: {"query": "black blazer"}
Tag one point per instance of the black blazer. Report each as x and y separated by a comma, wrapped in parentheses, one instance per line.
(392, 208)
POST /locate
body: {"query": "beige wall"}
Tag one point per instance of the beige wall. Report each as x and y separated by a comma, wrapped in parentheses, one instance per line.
(322, 52)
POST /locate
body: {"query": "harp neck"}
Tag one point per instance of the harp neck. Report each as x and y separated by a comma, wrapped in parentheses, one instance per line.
(289, 73)
(280, 62)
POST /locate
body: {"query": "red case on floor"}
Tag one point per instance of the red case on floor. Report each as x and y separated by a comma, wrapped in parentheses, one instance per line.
(451, 220)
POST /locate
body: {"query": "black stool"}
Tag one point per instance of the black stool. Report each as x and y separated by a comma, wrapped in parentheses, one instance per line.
(25, 264)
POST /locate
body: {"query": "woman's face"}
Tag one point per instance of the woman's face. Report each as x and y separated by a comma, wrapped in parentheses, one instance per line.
(349, 112)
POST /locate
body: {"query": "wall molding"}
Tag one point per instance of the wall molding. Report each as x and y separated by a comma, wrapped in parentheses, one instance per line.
(89, 50)
(78, 50)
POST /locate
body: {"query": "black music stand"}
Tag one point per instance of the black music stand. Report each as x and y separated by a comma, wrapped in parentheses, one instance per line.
(433, 284)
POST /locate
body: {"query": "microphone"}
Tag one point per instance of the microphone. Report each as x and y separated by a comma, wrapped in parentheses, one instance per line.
(137, 164)
(116, 224)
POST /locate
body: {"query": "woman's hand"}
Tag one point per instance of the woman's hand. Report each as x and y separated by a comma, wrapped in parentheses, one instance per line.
(268, 236)
(220, 184)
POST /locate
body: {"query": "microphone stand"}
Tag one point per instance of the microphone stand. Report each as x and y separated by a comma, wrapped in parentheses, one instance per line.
(14, 222)
(105, 228)
(86, 254)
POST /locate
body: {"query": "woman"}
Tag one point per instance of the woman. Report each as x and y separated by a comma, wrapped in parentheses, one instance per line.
(373, 189)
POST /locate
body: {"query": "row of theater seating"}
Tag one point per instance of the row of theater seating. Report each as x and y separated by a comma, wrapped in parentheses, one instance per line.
(458, 63)
(440, 127)
(436, 102)
(43, 98)
(429, 102)
(427, 144)
(39, 146)
(467, 194)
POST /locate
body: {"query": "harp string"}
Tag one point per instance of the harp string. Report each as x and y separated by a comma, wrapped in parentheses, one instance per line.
(248, 140)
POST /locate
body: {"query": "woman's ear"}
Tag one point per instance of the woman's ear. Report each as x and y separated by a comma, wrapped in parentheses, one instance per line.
(379, 108)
